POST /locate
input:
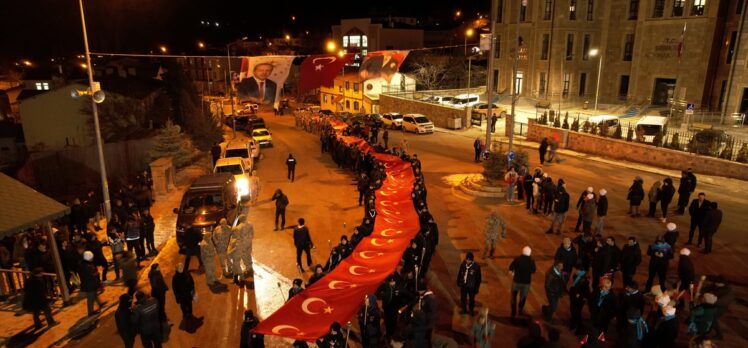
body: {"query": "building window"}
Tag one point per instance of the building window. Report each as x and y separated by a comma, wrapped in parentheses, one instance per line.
(633, 9)
(548, 10)
(567, 80)
(544, 48)
(496, 78)
(569, 46)
(590, 9)
(347, 104)
(623, 87)
(628, 48)
(340, 89)
(731, 47)
(678, 6)
(698, 7)
(500, 11)
(572, 10)
(355, 87)
(541, 85)
(324, 98)
(582, 84)
(518, 83)
(523, 11)
(42, 86)
(586, 47)
(355, 105)
(347, 85)
(659, 8)
(38, 86)
(497, 54)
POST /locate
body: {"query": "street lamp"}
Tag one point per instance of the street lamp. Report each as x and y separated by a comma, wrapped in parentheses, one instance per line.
(331, 46)
(594, 52)
(468, 33)
(200, 44)
(162, 48)
(288, 37)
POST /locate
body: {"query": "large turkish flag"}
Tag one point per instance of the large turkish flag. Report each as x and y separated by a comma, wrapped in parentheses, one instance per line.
(339, 295)
(321, 70)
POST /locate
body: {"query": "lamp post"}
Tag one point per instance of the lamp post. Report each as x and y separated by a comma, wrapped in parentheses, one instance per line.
(229, 86)
(468, 33)
(594, 52)
(91, 92)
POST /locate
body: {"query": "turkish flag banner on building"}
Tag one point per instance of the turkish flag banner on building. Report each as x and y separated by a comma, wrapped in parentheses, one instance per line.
(321, 70)
(339, 294)
(382, 64)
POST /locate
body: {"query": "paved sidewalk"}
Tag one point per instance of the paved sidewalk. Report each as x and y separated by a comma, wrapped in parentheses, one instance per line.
(18, 327)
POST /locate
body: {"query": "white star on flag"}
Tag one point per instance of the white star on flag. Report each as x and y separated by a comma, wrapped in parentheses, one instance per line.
(318, 67)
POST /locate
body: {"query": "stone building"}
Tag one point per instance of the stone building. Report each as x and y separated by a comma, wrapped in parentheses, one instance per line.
(651, 50)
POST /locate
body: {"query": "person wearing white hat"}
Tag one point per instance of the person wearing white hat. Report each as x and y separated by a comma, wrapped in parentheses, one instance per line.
(536, 191)
(589, 211)
(89, 276)
(665, 330)
(521, 268)
(671, 235)
(602, 210)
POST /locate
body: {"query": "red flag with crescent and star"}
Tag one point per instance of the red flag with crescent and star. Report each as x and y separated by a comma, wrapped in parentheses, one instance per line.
(320, 70)
(340, 293)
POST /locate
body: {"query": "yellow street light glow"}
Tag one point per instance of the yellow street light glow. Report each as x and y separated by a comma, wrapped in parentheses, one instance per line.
(293, 18)
(163, 49)
(341, 53)
(27, 63)
(469, 32)
(288, 37)
(84, 66)
(593, 52)
(331, 46)
(200, 44)
(458, 13)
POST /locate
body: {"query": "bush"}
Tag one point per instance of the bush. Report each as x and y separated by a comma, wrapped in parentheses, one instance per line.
(497, 163)
(566, 121)
(658, 139)
(675, 142)
(171, 142)
(743, 154)
(593, 129)
(586, 127)
(603, 129)
(557, 122)
(630, 134)
(575, 125)
(618, 134)
(727, 151)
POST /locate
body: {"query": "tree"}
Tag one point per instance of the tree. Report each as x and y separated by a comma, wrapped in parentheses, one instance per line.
(675, 142)
(618, 133)
(171, 142)
(743, 154)
(429, 75)
(566, 121)
(630, 133)
(575, 124)
(658, 139)
(497, 163)
(586, 127)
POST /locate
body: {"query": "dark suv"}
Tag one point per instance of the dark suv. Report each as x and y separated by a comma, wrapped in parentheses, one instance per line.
(210, 198)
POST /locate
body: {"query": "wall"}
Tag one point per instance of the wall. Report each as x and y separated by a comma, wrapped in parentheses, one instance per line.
(438, 114)
(640, 153)
(53, 120)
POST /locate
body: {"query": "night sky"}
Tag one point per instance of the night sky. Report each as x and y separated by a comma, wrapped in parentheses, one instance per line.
(49, 28)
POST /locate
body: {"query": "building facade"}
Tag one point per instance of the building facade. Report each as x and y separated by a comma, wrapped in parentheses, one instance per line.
(363, 35)
(350, 93)
(648, 51)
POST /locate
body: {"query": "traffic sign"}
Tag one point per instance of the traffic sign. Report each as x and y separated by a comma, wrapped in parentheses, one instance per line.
(511, 156)
(690, 107)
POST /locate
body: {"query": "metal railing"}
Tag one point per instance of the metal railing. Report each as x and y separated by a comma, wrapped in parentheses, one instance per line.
(14, 281)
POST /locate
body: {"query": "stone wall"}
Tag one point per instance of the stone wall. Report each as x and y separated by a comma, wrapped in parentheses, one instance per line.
(640, 153)
(436, 113)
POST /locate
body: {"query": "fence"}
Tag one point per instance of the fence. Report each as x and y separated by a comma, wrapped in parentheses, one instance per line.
(712, 143)
(429, 95)
(14, 281)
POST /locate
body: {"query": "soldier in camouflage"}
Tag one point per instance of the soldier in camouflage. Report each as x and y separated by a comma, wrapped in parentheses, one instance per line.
(208, 255)
(221, 237)
(495, 227)
(244, 233)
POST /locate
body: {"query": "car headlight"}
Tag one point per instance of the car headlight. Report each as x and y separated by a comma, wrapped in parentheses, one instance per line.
(242, 187)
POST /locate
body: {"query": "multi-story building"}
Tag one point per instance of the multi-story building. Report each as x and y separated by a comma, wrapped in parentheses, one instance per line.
(648, 51)
(364, 34)
(350, 93)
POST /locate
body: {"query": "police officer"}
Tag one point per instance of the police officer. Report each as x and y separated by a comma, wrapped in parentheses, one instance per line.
(303, 243)
(291, 164)
(334, 338)
(281, 202)
(296, 288)
(250, 339)
(468, 280)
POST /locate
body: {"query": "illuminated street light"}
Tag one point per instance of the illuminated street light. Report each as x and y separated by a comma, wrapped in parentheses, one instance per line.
(341, 53)
(593, 53)
(468, 33)
(458, 13)
(200, 44)
(288, 37)
(293, 18)
(84, 66)
(331, 46)
(27, 63)
(162, 48)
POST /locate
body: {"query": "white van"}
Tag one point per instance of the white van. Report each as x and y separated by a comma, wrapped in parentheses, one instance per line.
(463, 100)
(610, 121)
(649, 126)
(247, 151)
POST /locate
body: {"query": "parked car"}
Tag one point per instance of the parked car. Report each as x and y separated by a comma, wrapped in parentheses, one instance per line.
(417, 123)
(263, 137)
(241, 121)
(235, 166)
(326, 113)
(496, 109)
(610, 121)
(463, 100)
(650, 126)
(246, 150)
(708, 142)
(209, 199)
(392, 120)
(436, 99)
(254, 123)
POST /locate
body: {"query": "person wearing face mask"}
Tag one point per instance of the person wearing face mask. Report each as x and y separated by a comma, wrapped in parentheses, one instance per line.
(468, 280)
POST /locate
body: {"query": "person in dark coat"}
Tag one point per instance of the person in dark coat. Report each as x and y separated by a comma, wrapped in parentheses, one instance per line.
(542, 149)
(579, 293)
(631, 299)
(281, 202)
(158, 290)
(149, 226)
(631, 257)
(35, 299)
(468, 280)
(291, 164)
(686, 270)
(635, 196)
(555, 287)
(363, 187)
(685, 189)
(303, 243)
(248, 338)
(184, 290)
(534, 337)
(567, 254)
(671, 235)
(296, 288)
(606, 261)
(527, 183)
(712, 220)
(665, 330)
(477, 148)
(215, 152)
(602, 210)
(560, 208)
(145, 318)
(521, 268)
(370, 323)
(660, 254)
(319, 272)
(580, 206)
(97, 248)
(90, 283)
(697, 210)
(666, 196)
(603, 306)
(392, 300)
(123, 319)
(334, 338)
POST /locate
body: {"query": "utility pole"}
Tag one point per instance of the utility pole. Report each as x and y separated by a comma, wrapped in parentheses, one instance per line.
(490, 82)
(515, 85)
